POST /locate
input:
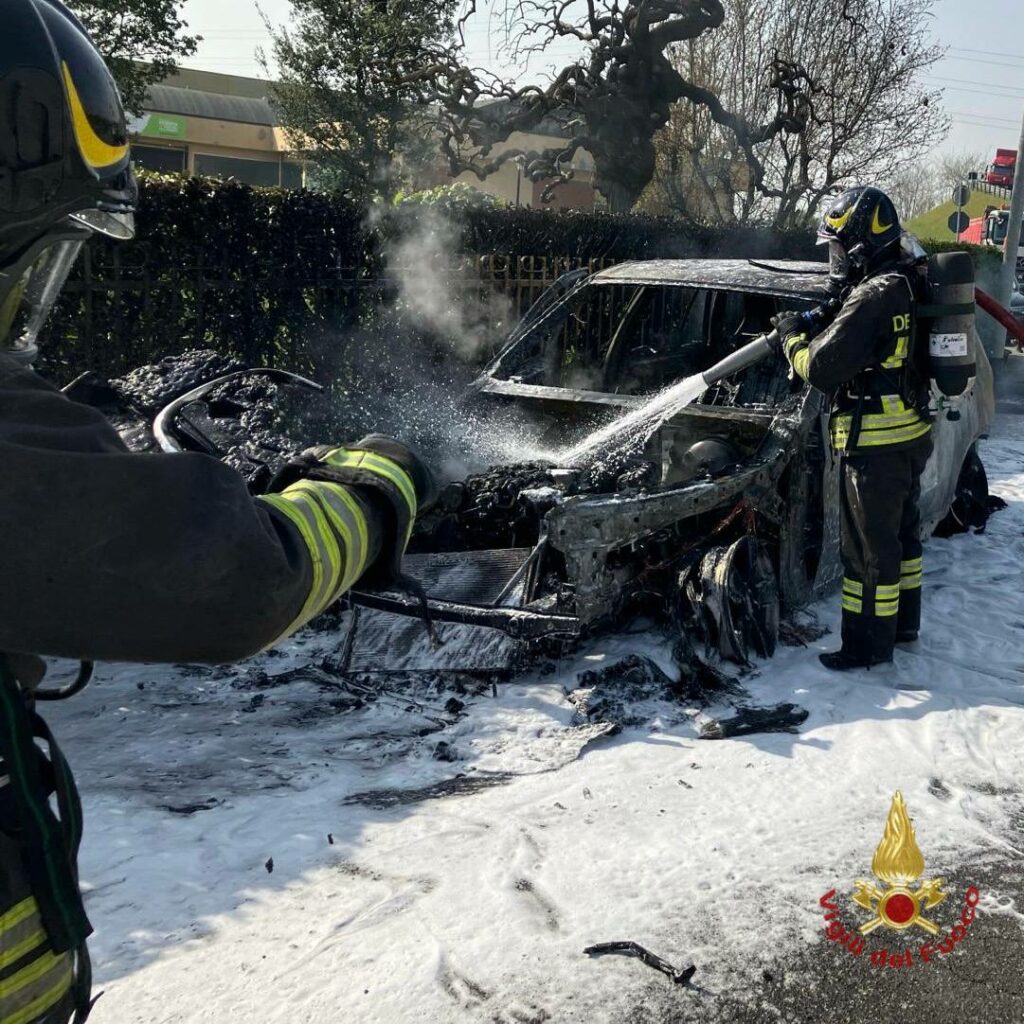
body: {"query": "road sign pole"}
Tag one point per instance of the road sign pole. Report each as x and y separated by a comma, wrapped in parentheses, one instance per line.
(1008, 279)
(958, 220)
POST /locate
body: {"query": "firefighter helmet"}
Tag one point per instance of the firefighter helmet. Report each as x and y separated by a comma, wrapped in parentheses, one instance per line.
(862, 230)
(65, 167)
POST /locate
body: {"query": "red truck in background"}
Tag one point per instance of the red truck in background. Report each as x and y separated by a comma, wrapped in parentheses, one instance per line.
(991, 229)
(976, 231)
(1000, 171)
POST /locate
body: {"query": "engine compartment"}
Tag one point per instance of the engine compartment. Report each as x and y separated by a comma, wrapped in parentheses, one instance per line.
(527, 547)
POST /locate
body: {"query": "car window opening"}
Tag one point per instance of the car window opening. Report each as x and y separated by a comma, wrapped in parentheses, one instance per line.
(637, 339)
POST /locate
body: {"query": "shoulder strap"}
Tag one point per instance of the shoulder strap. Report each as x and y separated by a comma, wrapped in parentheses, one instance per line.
(931, 310)
(908, 379)
(49, 844)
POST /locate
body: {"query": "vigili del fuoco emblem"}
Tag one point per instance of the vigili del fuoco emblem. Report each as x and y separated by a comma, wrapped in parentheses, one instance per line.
(898, 864)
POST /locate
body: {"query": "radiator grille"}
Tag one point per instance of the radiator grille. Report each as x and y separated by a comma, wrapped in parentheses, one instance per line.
(466, 577)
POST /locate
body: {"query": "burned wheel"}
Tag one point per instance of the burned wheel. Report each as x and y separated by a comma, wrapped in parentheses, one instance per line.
(972, 504)
(735, 592)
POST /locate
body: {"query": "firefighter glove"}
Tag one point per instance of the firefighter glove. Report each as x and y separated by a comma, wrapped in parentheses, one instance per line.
(788, 323)
(404, 456)
(384, 472)
(795, 331)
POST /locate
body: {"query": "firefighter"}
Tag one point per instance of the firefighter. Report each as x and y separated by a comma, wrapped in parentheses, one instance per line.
(110, 555)
(879, 422)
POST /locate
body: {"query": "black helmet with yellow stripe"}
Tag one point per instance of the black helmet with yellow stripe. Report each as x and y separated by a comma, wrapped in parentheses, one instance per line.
(862, 230)
(65, 168)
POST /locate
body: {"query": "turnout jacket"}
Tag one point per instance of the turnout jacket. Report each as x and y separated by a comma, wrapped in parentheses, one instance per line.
(105, 554)
(864, 358)
(110, 555)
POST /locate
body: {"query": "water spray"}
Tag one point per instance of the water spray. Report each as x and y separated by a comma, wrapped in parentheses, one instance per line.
(634, 429)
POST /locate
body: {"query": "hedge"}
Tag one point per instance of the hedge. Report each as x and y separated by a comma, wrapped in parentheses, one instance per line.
(214, 265)
(268, 274)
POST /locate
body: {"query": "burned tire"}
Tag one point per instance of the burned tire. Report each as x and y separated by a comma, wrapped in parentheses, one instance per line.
(735, 593)
(972, 504)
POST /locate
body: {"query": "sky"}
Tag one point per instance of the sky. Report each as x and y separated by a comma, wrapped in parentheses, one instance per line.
(982, 73)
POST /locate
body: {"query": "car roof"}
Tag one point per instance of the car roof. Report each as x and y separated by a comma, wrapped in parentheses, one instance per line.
(794, 278)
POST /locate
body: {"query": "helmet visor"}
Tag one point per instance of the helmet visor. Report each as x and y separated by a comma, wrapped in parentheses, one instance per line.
(114, 225)
(838, 260)
(27, 304)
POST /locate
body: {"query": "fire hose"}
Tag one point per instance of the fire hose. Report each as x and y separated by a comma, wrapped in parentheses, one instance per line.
(1001, 314)
(762, 347)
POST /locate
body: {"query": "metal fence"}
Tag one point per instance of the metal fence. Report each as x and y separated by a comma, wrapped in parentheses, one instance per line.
(523, 279)
(999, 191)
(121, 310)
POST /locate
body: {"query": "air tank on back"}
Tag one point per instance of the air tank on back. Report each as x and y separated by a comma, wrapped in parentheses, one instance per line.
(948, 319)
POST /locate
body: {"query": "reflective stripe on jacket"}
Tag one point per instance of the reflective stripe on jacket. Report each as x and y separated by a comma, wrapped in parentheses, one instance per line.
(895, 425)
(34, 981)
(865, 358)
(111, 556)
(334, 527)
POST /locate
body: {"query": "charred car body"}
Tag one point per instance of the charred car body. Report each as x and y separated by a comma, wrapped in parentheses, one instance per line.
(725, 520)
(729, 514)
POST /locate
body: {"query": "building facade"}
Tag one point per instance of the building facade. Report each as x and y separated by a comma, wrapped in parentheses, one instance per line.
(208, 124)
(212, 125)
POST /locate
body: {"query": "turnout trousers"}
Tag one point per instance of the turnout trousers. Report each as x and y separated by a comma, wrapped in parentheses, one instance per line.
(880, 545)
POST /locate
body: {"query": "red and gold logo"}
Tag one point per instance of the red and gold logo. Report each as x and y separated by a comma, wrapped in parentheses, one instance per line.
(900, 901)
(898, 864)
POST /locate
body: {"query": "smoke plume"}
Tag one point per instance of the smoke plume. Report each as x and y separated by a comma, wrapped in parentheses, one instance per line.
(405, 370)
(439, 290)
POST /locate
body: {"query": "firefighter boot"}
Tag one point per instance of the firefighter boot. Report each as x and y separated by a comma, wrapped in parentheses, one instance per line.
(844, 661)
(869, 626)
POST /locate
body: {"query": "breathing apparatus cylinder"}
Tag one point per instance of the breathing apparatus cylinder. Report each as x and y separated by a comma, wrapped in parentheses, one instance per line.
(947, 320)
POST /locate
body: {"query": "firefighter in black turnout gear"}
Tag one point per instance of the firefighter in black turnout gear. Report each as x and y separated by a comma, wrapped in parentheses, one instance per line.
(106, 554)
(866, 360)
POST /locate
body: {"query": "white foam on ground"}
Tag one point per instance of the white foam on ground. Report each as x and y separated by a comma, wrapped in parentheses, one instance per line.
(477, 908)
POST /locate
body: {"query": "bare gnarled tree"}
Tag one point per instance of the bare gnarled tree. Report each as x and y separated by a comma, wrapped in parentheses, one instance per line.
(872, 117)
(612, 102)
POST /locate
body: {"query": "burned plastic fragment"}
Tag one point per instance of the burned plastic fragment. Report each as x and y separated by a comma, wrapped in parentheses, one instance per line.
(779, 718)
(633, 671)
(151, 387)
(628, 948)
(797, 633)
(500, 508)
(698, 681)
(460, 785)
(614, 695)
(238, 419)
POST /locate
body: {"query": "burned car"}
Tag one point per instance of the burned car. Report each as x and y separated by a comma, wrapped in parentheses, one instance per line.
(721, 521)
(728, 516)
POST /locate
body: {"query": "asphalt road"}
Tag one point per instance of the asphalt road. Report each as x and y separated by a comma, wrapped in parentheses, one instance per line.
(980, 980)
